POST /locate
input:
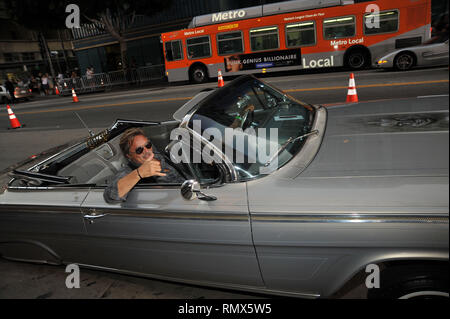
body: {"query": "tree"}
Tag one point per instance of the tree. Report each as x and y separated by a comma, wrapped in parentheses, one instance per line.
(116, 16)
(112, 16)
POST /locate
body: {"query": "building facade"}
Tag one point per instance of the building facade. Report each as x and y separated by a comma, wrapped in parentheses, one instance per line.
(24, 53)
(100, 50)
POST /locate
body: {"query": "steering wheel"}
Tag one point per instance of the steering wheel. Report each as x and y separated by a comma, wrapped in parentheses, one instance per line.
(247, 110)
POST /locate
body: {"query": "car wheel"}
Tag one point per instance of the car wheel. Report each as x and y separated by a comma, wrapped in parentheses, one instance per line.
(357, 59)
(199, 74)
(413, 282)
(404, 61)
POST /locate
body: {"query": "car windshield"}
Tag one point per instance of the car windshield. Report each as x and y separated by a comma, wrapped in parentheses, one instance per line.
(249, 121)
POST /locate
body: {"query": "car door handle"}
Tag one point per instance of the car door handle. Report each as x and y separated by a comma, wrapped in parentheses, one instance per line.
(93, 215)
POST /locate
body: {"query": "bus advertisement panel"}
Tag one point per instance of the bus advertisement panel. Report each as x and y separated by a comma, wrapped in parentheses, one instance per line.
(252, 61)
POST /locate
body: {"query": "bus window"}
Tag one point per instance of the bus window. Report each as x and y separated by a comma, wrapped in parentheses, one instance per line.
(340, 27)
(388, 22)
(264, 38)
(229, 43)
(174, 50)
(300, 34)
(198, 47)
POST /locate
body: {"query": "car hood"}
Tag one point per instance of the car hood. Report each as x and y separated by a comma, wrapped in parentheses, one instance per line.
(369, 139)
(371, 160)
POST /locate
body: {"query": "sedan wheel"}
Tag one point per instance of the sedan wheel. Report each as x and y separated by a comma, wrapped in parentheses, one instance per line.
(404, 61)
(428, 294)
(413, 282)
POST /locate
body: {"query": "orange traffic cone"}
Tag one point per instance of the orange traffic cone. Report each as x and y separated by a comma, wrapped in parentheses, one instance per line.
(12, 118)
(220, 78)
(56, 90)
(351, 94)
(74, 96)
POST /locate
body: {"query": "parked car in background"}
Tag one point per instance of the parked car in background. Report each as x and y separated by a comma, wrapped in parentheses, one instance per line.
(346, 187)
(23, 93)
(422, 55)
(20, 93)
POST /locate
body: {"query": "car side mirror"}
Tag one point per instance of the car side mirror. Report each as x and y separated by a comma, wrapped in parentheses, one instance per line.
(190, 190)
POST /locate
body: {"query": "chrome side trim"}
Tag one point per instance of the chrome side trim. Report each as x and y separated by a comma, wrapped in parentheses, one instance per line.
(38, 244)
(125, 212)
(351, 218)
(373, 176)
(202, 283)
(175, 216)
(38, 209)
(49, 188)
(256, 217)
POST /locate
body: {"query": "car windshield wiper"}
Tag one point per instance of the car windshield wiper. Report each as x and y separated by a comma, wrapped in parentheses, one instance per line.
(289, 141)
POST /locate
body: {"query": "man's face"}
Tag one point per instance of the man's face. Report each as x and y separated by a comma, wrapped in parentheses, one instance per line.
(139, 143)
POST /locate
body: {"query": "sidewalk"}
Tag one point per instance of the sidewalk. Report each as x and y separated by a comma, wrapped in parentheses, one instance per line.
(40, 281)
(124, 88)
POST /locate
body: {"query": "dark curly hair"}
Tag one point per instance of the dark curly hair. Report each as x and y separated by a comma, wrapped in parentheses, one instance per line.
(127, 139)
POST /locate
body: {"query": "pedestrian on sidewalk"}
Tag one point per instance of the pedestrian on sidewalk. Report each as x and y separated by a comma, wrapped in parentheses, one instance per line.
(10, 88)
(90, 75)
(45, 84)
(74, 79)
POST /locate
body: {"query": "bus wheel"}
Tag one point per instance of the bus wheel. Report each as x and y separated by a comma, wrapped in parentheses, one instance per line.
(198, 74)
(404, 61)
(357, 59)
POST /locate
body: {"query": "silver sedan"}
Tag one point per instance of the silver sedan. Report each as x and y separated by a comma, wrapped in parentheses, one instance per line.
(280, 197)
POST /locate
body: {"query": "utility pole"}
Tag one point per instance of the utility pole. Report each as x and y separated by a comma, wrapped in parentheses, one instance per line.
(47, 53)
(64, 52)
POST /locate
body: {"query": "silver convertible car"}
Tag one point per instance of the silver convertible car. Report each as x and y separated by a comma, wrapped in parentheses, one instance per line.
(421, 55)
(299, 201)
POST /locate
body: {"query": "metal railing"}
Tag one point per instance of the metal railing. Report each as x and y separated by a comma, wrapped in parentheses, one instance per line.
(105, 81)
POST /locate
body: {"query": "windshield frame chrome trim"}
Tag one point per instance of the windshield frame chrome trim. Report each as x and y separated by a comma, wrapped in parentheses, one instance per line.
(233, 172)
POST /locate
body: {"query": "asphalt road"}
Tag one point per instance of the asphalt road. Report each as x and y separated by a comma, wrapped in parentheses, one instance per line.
(52, 121)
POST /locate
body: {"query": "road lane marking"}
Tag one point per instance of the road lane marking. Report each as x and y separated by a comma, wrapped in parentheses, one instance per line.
(343, 75)
(106, 105)
(188, 98)
(367, 86)
(428, 96)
